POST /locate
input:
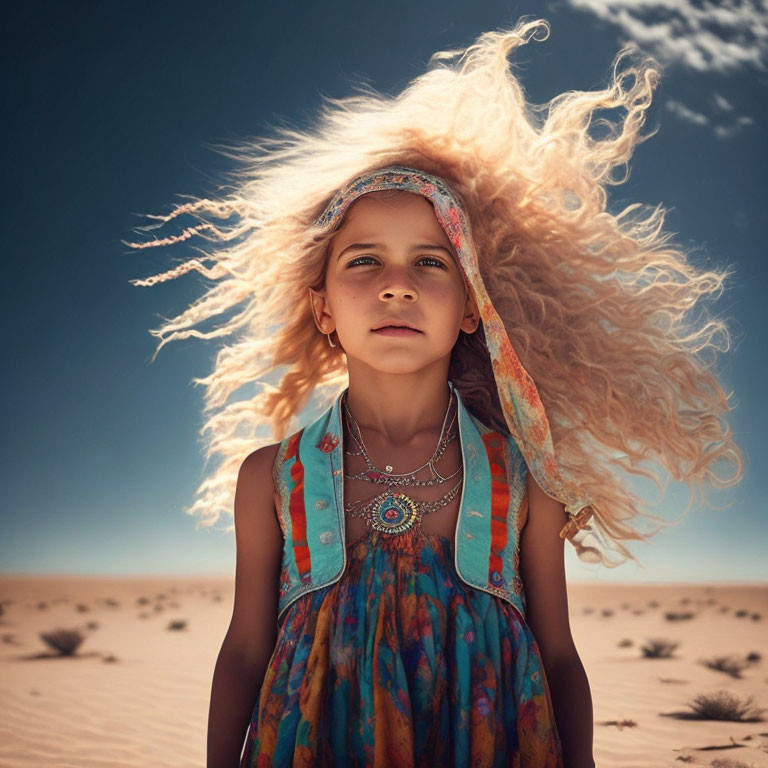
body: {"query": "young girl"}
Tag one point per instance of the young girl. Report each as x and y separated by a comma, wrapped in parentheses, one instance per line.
(488, 347)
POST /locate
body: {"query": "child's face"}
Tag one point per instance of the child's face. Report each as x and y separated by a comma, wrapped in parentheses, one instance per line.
(392, 261)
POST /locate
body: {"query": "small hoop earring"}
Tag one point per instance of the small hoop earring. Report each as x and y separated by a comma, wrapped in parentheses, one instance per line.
(330, 343)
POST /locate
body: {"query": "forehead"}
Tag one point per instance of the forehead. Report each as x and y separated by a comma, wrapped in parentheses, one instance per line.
(395, 212)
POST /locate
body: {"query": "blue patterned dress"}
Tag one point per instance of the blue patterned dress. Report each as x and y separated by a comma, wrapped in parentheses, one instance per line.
(401, 664)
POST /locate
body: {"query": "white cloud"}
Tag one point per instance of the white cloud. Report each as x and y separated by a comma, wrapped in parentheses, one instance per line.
(722, 103)
(686, 113)
(707, 36)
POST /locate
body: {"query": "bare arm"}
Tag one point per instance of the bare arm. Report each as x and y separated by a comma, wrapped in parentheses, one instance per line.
(542, 567)
(252, 632)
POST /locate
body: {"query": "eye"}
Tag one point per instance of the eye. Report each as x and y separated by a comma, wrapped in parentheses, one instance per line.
(359, 259)
(434, 261)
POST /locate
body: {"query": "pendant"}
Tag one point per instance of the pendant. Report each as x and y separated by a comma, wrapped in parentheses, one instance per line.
(393, 513)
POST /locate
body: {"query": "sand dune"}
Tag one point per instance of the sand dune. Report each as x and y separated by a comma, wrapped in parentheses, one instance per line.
(135, 693)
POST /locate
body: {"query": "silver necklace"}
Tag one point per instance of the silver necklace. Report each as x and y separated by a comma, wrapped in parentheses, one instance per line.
(373, 474)
(395, 512)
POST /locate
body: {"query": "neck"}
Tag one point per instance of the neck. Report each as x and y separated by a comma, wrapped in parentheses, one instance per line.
(398, 409)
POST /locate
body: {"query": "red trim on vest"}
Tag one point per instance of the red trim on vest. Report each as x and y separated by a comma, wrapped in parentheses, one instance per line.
(494, 447)
(297, 511)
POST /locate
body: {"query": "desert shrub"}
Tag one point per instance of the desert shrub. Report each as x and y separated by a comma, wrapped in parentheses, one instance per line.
(755, 617)
(64, 641)
(82, 608)
(753, 657)
(142, 600)
(730, 665)
(177, 624)
(741, 613)
(606, 612)
(658, 649)
(92, 625)
(723, 705)
(625, 643)
(621, 724)
(678, 615)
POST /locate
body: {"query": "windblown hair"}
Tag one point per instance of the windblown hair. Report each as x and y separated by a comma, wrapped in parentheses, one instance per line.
(598, 305)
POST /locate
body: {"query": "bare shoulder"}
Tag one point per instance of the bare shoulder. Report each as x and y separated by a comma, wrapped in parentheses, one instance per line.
(259, 545)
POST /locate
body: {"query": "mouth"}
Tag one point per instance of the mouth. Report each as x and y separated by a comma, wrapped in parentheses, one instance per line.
(395, 330)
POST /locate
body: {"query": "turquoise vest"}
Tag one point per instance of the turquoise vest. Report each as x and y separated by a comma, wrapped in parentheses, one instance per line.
(309, 481)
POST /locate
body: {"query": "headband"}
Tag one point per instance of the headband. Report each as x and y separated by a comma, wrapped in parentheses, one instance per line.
(522, 407)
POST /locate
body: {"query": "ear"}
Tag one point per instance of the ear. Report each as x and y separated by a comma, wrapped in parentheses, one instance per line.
(319, 303)
(471, 318)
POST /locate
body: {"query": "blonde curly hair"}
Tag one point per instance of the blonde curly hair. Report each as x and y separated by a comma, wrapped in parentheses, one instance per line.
(597, 305)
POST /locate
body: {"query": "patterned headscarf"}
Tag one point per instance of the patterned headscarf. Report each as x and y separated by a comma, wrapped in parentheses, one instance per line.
(522, 407)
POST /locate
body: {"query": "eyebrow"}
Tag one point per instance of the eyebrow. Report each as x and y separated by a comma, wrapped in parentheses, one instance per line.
(380, 246)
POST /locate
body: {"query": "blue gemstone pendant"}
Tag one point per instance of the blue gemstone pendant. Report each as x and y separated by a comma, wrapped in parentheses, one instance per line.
(393, 513)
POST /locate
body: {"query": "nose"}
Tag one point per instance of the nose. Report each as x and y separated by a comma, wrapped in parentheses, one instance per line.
(409, 294)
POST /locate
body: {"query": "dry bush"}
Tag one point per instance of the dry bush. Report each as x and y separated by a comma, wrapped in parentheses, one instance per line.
(754, 656)
(82, 608)
(142, 600)
(625, 643)
(606, 612)
(177, 624)
(731, 665)
(678, 615)
(741, 613)
(64, 641)
(621, 724)
(723, 705)
(658, 649)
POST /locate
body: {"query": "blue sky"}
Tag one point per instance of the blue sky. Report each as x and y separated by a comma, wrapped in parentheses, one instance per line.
(113, 109)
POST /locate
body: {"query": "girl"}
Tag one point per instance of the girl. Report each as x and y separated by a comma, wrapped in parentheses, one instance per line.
(488, 347)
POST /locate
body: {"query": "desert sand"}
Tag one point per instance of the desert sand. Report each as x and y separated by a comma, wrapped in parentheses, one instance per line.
(135, 692)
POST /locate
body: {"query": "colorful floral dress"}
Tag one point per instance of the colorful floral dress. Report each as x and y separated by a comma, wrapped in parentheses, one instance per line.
(400, 663)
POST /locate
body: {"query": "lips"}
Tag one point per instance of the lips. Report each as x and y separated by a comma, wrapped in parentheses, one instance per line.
(395, 324)
(393, 330)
